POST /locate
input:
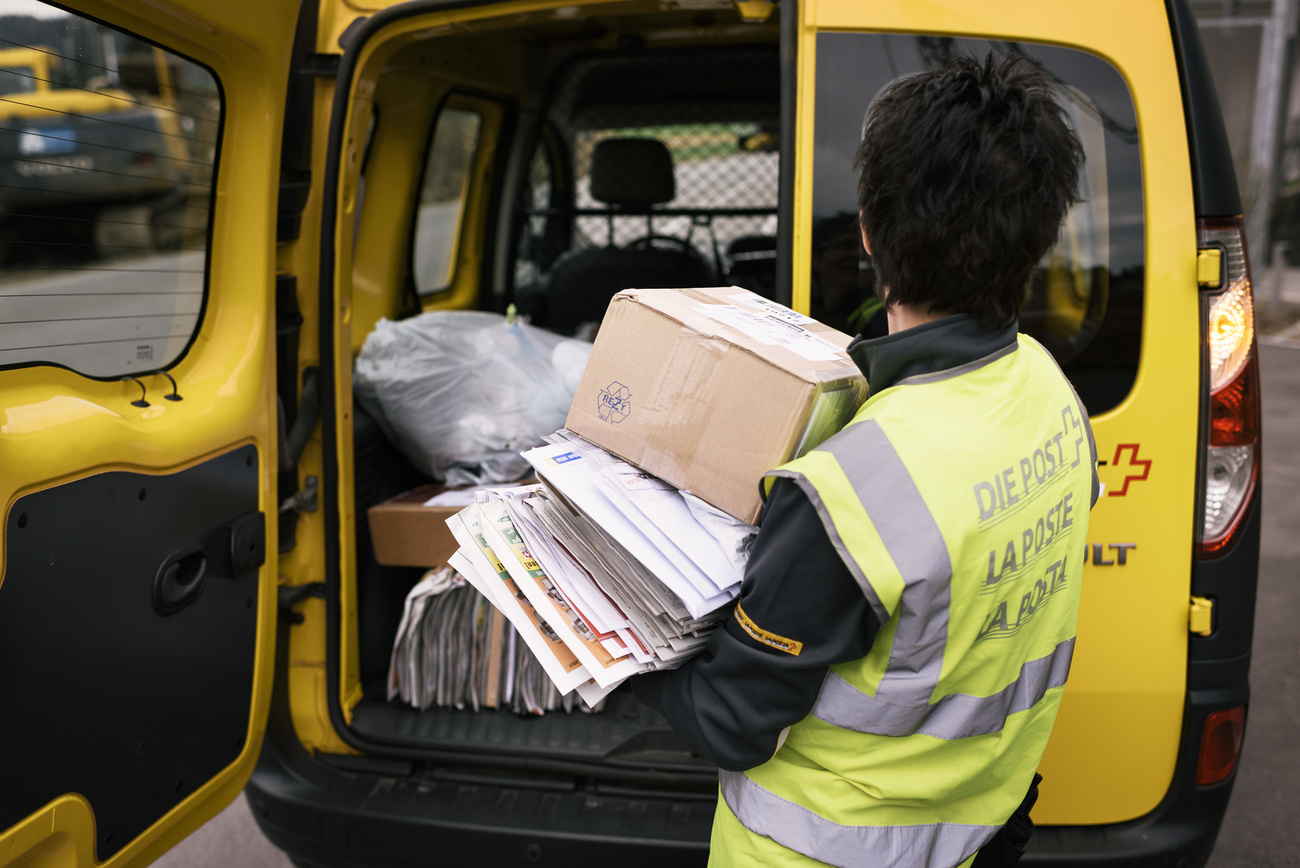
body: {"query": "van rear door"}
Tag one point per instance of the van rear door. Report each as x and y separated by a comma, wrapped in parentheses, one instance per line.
(1116, 303)
(137, 419)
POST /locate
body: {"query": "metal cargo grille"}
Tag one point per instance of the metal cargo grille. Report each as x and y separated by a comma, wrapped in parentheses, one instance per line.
(717, 116)
(717, 179)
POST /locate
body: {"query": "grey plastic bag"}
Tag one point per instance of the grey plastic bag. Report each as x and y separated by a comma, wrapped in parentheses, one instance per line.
(462, 393)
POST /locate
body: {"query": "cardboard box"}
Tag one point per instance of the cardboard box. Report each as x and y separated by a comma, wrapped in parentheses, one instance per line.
(710, 388)
(406, 533)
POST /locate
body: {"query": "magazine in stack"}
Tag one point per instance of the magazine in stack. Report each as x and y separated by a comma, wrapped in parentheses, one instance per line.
(453, 649)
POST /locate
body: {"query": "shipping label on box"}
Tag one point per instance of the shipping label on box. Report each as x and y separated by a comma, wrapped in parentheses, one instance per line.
(710, 388)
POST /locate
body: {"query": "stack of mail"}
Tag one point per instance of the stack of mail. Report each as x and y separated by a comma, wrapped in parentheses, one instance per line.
(454, 650)
(606, 571)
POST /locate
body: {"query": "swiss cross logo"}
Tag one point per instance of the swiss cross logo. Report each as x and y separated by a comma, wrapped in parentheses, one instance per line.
(1134, 469)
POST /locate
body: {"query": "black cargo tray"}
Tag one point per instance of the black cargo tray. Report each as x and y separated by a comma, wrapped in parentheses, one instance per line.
(625, 733)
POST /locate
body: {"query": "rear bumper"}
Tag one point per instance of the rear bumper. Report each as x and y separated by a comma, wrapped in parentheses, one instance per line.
(1179, 833)
(374, 816)
(372, 813)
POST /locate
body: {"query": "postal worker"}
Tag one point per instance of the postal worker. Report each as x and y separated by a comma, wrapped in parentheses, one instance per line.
(886, 687)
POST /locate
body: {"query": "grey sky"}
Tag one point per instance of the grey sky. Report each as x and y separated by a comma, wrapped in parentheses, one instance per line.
(29, 7)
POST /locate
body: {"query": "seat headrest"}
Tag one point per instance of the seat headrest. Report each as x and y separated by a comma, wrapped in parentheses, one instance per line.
(634, 173)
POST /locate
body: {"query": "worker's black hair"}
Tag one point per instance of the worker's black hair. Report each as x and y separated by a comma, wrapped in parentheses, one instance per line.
(967, 171)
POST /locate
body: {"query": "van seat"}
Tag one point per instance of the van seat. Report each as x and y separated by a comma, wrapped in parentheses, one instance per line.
(630, 176)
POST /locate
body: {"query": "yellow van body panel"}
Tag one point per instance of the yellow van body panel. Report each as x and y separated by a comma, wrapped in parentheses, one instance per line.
(57, 426)
(305, 563)
(1123, 704)
(61, 835)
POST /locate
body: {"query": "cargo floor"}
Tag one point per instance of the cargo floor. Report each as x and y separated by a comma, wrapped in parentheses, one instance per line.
(625, 734)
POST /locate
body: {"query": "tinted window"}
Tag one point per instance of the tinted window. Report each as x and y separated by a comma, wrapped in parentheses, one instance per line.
(106, 169)
(1086, 299)
(442, 197)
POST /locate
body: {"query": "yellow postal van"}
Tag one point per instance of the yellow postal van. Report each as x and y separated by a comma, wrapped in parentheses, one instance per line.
(190, 601)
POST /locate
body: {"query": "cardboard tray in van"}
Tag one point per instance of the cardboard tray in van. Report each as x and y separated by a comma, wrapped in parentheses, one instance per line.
(710, 388)
(406, 533)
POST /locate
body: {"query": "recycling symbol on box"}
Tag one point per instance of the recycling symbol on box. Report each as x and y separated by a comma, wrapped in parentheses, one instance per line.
(615, 402)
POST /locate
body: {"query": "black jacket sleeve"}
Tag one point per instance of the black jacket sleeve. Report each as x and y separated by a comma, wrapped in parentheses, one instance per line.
(732, 702)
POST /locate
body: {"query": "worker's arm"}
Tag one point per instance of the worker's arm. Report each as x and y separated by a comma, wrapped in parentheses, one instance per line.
(732, 702)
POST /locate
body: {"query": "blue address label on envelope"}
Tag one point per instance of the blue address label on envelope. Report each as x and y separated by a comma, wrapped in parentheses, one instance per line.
(49, 140)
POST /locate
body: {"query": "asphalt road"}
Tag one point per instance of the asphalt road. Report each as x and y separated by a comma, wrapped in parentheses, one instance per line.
(101, 318)
(229, 840)
(1258, 830)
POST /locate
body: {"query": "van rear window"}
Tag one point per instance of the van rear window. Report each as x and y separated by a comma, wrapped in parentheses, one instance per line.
(1086, 296)
(108, 149)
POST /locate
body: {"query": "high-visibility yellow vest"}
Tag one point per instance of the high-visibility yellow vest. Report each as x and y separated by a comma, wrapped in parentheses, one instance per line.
(959, 501)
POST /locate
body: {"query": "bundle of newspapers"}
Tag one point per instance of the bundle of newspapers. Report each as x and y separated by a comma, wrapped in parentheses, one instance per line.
(604, 570)
(455, 650)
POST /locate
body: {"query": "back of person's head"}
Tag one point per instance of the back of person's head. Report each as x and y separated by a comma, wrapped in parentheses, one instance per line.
(967, 171)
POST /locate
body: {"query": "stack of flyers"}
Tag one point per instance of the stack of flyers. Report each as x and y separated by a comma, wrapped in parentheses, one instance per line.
(453, 649)
(605, 571)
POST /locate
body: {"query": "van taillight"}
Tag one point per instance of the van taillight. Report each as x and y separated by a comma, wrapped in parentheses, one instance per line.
(1220, 745)
(1230, 449)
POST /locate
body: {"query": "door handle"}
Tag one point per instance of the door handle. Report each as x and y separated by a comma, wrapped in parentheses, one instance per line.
(179, 580)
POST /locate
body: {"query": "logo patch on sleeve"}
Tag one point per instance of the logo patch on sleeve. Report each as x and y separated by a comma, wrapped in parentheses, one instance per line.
(780, 643)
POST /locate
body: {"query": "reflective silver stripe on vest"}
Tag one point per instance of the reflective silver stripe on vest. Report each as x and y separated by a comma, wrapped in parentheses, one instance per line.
(912, 538)
(793, 826)
(957, 715)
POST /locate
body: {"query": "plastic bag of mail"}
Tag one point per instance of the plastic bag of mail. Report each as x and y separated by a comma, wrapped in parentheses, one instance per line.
(462, 393)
